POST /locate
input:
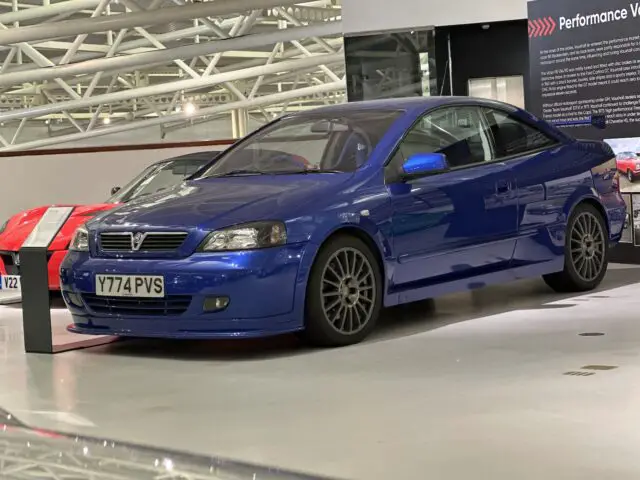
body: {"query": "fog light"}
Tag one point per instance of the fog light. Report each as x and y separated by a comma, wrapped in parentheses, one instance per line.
(215, 304)
(74, 299)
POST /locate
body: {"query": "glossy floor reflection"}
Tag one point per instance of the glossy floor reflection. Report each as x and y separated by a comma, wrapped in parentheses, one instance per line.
(468, 386)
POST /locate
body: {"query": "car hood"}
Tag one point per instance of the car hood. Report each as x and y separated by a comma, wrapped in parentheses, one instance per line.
(22, 224)
(216, 202)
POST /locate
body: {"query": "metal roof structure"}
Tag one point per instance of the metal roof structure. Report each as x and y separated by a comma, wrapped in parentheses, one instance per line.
(89, 68)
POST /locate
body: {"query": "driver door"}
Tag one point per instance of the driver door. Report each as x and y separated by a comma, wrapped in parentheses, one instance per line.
(459, 223)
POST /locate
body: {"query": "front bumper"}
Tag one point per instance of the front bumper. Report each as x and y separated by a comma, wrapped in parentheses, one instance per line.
(261, 286)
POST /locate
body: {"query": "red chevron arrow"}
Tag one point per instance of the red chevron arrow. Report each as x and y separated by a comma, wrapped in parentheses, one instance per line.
(534, 29)
(542, 27)
(539, 27)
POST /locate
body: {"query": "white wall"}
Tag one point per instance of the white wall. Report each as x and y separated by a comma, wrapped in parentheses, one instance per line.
(214, 130)
(358, 15)
(79, 178)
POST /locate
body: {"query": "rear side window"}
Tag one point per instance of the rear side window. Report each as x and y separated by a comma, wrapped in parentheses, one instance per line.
(513, 137)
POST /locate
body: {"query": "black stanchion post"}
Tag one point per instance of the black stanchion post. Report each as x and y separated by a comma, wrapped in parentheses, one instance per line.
(34, 280)
(36, 300)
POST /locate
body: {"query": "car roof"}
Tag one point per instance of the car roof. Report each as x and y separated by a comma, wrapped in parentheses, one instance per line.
(409, 103)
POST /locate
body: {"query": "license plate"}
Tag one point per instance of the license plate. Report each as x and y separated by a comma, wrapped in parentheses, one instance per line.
(142, 286)
(10, 283)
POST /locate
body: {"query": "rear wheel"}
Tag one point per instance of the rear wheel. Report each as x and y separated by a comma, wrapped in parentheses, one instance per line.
(586, 252)
(344, 294)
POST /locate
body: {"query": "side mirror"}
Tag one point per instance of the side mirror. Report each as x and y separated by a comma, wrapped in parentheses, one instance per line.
(420, 164)
(115, 190)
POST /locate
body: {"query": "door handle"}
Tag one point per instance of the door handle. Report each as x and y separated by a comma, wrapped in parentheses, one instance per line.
(503, 186)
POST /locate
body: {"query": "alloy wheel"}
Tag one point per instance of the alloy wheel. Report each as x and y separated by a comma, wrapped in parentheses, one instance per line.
(348, 291)
(587, 246)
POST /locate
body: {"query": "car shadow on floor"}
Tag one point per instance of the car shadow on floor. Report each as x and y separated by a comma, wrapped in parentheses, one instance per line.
(395, 322)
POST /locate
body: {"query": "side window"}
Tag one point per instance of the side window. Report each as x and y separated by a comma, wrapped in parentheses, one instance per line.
(458, 132)
(513, 137)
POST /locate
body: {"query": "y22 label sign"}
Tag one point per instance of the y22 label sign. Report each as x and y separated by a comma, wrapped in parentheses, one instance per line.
(10, 282)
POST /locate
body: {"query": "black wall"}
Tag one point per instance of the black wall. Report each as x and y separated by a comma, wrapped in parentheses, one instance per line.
(498, 51)
(388, 65)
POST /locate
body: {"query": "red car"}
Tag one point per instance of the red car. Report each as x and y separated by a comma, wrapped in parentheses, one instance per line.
(629, 164)
(159, 176)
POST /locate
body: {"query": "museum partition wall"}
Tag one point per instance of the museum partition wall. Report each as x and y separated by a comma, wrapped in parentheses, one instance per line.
(447, 60)
(468, 61)
(468, 50)
(390, 64)
(585, 60)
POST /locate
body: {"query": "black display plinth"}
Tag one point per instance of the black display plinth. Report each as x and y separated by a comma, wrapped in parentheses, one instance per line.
(38, 328)
(36, 300)
(625, 253)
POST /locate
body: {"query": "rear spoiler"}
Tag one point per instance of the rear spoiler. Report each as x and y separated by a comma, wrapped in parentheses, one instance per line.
(597, 121)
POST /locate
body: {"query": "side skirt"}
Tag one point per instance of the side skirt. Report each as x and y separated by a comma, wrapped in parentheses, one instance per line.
(473, 283)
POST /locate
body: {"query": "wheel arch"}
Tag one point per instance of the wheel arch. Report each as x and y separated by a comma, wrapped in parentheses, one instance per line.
(595, 204)
(378, 247)
(362, 235)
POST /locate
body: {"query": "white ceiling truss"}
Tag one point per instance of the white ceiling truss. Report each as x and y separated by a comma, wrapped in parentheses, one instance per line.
(89, 68)
(42, 455)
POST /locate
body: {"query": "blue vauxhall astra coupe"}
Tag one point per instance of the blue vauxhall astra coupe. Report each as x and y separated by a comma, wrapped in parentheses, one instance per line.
(319, 219)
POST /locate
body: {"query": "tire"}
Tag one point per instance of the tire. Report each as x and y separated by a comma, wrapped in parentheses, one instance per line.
(586, 252)
(630, 176)
(344, 294)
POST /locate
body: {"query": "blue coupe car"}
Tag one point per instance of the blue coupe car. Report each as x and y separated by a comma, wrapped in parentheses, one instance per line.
(318, 220)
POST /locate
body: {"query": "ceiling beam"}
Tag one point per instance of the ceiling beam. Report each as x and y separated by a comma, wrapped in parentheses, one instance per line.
(69, 6)
(182, 85)
(162, 57)
(129, 126)
(149, 17)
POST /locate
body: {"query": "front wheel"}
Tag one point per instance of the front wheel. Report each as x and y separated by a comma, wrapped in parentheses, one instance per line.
(586, 252)
(630, 176)
(344, 294)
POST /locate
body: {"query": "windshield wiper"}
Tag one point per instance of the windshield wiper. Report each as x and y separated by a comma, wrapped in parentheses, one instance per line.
(237, 173)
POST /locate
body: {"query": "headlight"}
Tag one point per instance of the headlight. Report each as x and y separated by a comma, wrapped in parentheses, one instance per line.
(245, 237)
(80, 240)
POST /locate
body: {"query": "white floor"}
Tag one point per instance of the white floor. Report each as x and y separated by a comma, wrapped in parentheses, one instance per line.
(472, 386)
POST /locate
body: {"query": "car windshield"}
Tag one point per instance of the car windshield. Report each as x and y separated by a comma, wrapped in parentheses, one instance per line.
(162, 176)
(312, 143)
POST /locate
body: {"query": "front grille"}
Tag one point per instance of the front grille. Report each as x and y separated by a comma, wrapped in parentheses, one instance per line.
(154, 242)
(169, 306)
(109, 241)
(149, 242)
